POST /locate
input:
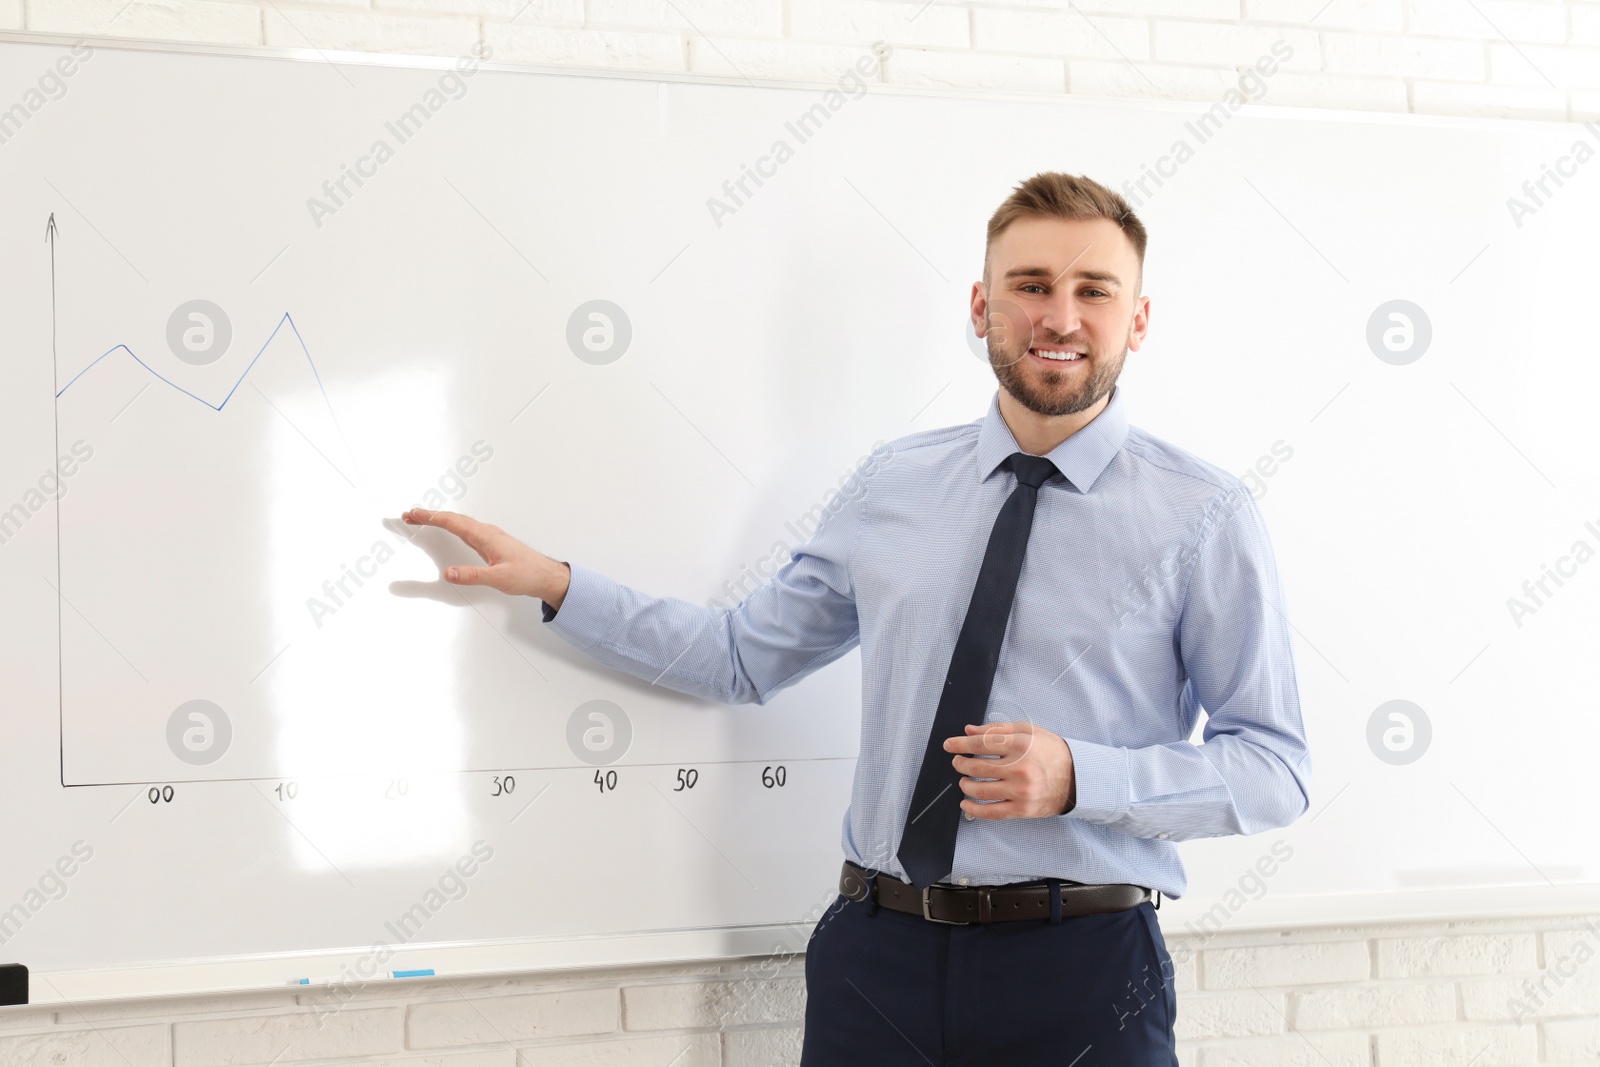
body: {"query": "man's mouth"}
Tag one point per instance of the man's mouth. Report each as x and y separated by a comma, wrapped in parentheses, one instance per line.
(1056, 355)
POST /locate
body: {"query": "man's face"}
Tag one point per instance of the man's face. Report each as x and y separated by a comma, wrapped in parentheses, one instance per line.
(1060, 288)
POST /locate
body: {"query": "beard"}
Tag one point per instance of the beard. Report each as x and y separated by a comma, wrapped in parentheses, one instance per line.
(1051, 392)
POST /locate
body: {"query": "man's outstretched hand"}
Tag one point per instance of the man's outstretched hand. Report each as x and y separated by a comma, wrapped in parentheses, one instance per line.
(1033, 768)
(510, 566)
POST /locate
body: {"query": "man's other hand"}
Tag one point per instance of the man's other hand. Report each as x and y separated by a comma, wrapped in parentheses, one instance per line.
(1032, 768)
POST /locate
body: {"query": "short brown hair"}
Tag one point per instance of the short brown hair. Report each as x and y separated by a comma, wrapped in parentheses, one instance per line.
(1052, 194)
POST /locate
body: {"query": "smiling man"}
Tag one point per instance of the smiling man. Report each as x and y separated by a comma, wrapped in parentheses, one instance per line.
(1045, 600)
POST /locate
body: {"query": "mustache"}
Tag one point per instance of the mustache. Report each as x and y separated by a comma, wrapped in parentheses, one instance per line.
(1057, 341)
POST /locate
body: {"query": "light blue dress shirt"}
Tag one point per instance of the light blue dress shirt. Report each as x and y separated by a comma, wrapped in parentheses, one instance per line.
(1149, 592)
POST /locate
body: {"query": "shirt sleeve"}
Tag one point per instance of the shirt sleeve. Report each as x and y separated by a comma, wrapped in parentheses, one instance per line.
(1253, 767)
(799, 621)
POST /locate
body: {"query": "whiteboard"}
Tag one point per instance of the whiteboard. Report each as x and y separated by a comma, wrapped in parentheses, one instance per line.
(264, 737)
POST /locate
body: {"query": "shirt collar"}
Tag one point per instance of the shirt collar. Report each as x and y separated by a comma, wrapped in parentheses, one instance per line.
(1081, 457)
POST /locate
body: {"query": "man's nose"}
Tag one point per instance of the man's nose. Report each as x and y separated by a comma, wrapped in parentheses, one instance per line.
(1060, 317)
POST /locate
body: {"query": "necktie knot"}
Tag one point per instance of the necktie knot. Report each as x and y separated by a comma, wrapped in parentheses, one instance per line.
(1031, 471)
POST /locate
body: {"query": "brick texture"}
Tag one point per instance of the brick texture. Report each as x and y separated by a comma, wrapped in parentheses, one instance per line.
(1508, 992)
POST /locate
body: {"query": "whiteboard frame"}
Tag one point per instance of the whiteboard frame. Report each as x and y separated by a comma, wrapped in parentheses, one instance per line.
(1272, 913)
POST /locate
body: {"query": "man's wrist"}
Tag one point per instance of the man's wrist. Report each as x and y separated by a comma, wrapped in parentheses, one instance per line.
(555, 591)
(1072, 781)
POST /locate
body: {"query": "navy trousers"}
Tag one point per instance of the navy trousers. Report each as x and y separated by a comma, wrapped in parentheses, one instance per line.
(888, 989)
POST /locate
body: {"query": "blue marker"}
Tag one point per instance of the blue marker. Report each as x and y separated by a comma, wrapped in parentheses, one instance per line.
(425, 972)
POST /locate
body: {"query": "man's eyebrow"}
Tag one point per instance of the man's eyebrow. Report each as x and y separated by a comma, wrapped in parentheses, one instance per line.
(1042, 272)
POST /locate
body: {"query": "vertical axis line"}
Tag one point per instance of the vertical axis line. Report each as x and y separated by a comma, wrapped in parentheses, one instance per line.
(55, 414)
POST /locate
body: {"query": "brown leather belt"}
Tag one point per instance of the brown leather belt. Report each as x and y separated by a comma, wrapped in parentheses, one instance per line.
(964, 905)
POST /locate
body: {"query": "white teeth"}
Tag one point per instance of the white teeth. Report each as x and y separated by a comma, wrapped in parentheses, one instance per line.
(1057, 354)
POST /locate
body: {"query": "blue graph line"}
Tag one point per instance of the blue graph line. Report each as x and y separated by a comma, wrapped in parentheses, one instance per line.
(243, 374)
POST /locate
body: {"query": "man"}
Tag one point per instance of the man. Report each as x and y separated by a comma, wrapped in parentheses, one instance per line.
(1045, 599)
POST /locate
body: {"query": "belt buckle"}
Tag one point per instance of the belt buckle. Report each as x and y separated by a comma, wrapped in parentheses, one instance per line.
(928, 914)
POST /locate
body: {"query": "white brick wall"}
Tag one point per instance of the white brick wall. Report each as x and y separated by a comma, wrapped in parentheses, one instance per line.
(1377, 997)
(1418, 995)
(1495, 58)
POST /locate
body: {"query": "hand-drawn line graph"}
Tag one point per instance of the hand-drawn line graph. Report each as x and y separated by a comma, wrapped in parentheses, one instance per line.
(51, 230)
(316, 375)
(287, 319)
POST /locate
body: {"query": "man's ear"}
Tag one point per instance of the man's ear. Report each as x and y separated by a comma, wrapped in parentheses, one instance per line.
(978, 307)
(1139, 325)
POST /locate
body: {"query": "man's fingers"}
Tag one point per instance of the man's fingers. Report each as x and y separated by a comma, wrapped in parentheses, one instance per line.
(469, 575)
(995, 741)
(446, 520)
(465, 527)
(423, 517)
(978, 790)
(979, 767)
(1001, 809)
(972, 744)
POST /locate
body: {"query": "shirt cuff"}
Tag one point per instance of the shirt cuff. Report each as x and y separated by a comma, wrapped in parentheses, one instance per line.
(1101, 773)
(587, 611)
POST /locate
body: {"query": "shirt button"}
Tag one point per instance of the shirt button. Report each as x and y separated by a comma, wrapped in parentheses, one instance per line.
(963, 881)
(1163, 836)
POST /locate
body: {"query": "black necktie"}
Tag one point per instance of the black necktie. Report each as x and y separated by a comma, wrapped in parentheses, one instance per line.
(928, 844)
